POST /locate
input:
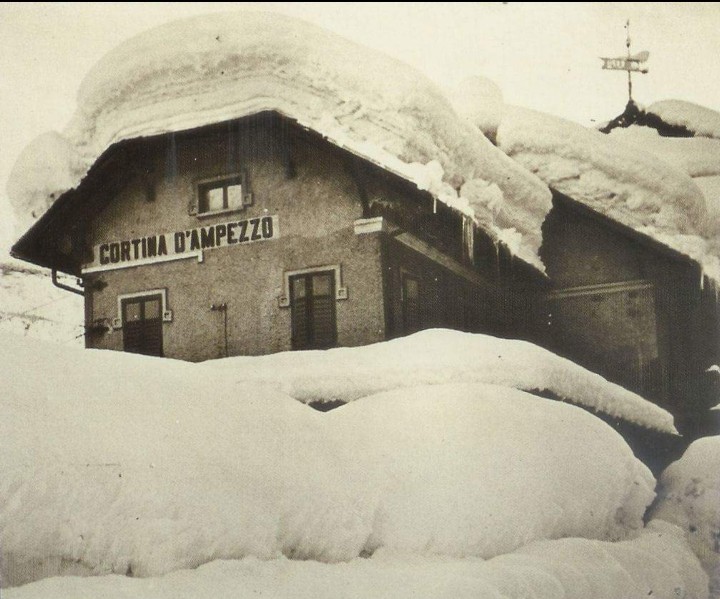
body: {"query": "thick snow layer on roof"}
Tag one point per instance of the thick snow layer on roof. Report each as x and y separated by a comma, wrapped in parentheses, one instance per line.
(438, 356)
(657, 564)
(114, 463)
(697, 156)
(224, 66)
(479, 101)
(698, 119)
(689, 496)
(46, 168)
(710, 187)
(619, 180)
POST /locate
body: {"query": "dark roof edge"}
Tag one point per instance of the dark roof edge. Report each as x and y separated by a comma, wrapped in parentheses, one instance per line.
(624, 229)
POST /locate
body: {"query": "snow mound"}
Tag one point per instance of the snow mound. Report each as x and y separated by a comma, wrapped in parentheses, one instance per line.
(698, 119)
(219, 67)
(440, 455)
(656, 564)
(115, 463)
(438, 356)
(480, 101)
(622, 181)
(689, 496)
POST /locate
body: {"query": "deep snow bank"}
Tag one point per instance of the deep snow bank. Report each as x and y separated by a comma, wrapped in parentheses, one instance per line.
(657, 564)
(223, 66)
(114, 463)
(689, 496)
(439, 356)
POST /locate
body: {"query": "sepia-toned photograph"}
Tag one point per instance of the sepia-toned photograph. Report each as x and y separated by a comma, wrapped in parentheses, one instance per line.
(360, 300)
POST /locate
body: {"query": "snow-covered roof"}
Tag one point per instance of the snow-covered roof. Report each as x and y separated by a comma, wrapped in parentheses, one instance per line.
(695, 118)
(696, 156)
(219, 67)
(636, 178)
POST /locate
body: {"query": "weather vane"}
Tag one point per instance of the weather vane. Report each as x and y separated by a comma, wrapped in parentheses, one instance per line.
(629, 63)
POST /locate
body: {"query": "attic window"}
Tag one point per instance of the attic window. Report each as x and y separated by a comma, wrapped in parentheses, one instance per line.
(222, 194)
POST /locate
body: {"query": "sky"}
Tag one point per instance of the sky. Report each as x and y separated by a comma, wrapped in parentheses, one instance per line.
(543, 56)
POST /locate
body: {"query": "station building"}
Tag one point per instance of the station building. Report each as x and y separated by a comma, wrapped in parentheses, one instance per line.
(258, 235)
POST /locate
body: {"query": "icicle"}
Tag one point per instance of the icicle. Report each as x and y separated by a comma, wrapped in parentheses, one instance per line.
(468, 236)
(496, 245)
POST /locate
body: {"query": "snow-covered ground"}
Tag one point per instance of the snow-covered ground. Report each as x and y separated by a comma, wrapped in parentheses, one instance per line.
(126, 464)
(656, 564)
(439, 356)
(689, 496)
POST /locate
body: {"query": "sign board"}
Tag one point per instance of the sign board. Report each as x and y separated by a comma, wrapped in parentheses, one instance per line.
(623, 64)
(177, 245)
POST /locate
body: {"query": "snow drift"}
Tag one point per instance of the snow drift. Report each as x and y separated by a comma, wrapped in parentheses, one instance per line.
(689, 496)
(224, 66)
(114, 463)
(656, 564)
(438, 356)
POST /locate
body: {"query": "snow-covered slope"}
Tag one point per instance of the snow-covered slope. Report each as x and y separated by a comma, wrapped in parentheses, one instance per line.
(657, 564)
(439, 356)
(689, 496)
(643, 187)
(218, 67)
(117, 463)
(30, 305)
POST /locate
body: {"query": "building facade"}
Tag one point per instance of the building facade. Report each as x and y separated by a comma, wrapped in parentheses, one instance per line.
(257, 236)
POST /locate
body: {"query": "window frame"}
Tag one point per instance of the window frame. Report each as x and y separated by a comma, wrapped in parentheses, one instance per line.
(167, 315)
(224, 182)
(341, 292)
